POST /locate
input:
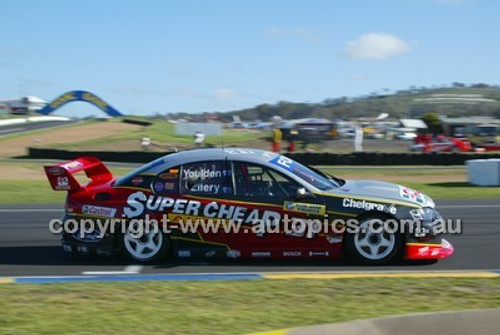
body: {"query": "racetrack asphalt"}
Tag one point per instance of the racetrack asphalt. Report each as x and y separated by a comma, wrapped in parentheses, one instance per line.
(27, 248)
(30, 126)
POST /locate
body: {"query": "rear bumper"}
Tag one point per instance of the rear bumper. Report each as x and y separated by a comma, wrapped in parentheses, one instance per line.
(429, 250)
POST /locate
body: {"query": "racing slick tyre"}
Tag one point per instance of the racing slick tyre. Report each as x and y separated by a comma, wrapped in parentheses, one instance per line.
(372, 245)
(144, 245)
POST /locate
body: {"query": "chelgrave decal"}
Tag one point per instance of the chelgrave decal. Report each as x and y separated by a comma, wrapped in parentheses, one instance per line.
(369, 206)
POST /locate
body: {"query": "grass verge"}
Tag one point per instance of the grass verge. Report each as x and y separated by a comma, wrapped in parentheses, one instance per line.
(462, 190)
(228, 307)
(163, 133)
(39, 191)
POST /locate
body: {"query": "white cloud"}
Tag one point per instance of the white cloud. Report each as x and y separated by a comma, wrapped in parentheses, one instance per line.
(275, 32)
(376, 46)
(301, 33)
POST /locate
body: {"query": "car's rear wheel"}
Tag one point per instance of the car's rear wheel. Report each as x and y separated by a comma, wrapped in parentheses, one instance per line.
(144, 244)
(372, 244)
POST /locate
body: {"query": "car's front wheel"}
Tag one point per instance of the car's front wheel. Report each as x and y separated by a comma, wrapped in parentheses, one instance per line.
(144, 244)
(373, 244)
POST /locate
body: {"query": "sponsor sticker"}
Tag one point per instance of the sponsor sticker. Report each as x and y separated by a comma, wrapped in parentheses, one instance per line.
(94, 236)
(210, 253)
(168, 175)
(410, 194)
(238, 151)
(99, 211)
(71, 165)
(62, 183)
(204, 173)
(369, 206)
(233, 253)
(332, 239)
(300, 207)
(139, 202)
(137, 180)
(261, 254)
(205, 188)
(158, 186)
(184, 253)
(56, 171)
(282, 161)
(292, 253)
(169, 186)
(319, 253)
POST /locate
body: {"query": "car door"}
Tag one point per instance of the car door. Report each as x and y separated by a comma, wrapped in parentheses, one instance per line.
(275, 196)
(203, 187)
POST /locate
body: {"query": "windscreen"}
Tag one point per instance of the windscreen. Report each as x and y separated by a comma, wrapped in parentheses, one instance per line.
(303, 172)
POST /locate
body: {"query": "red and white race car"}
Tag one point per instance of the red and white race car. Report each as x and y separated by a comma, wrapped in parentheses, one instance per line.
(427, 144)
(244, 203)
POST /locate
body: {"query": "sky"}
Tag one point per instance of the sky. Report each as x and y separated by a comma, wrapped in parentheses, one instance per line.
(147, 57)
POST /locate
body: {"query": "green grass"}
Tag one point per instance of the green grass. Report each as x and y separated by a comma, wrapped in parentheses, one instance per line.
(228, 307)
(35, 191)
(362, 171)
(162, 132)
(461, 190)
(28, 191)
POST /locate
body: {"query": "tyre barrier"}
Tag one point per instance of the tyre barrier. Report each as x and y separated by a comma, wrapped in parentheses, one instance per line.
(360, 158)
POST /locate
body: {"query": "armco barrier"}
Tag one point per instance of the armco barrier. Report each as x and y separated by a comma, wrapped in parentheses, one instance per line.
(108, 156)
(363, 158)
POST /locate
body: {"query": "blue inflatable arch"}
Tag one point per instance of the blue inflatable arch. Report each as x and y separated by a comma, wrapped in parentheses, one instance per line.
(79, 96)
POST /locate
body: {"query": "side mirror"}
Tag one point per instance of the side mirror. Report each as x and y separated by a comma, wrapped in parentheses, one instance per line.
(302, 193)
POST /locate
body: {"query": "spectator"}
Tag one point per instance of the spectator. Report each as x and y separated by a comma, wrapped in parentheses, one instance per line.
(277, 135)
(292, 139)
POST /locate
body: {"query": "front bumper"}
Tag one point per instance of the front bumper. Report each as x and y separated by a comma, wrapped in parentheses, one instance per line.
(429, 250)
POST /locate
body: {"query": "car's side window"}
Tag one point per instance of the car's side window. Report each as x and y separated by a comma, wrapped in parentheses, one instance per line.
(257, 181)
(167, 182)
(206, 178)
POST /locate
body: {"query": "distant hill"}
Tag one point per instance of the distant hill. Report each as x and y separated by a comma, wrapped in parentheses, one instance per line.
(457, 100)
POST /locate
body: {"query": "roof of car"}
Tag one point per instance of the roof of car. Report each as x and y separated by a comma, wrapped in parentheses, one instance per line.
(241, 154)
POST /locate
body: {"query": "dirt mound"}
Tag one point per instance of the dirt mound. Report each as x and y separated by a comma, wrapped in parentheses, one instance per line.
(18, 146)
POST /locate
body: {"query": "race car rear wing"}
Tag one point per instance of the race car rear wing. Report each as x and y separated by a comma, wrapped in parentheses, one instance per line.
(61, 175)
